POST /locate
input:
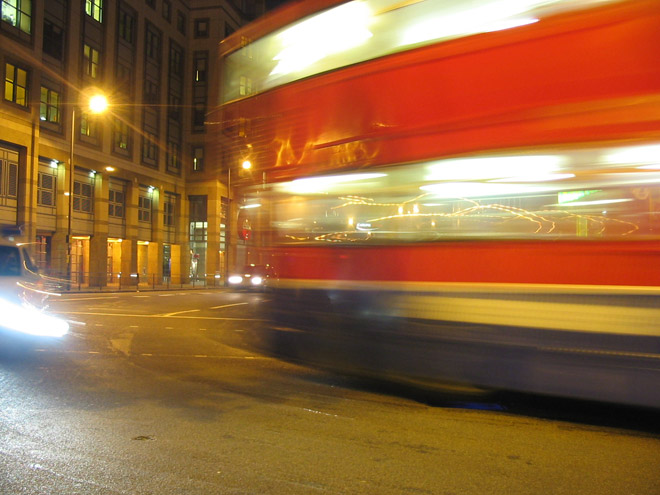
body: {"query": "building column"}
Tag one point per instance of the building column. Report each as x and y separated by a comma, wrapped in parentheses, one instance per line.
(98, 260)
(98, 245)
(129, 246)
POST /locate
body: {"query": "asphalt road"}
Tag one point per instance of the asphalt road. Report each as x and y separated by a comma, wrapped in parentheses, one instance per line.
(158, 393)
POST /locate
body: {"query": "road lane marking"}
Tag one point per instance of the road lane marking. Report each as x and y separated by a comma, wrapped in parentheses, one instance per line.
(229, 305)
(182, 317)
(181, 312)
(165, 295)
(86, 298)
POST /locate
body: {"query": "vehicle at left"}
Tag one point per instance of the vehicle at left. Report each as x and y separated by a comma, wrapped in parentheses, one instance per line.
(23, 298)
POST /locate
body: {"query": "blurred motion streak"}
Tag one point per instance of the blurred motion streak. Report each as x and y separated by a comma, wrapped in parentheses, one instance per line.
(455, 192)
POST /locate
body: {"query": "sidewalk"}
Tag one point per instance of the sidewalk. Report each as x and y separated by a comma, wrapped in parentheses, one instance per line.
(66, 288)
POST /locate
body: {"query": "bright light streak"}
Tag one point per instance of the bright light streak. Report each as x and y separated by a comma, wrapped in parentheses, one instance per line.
(479, 189)
(256, 280)
(235, 279)
(253, 205)
(31, 321)
(595, 202)
(316, 185)
(496, 167)
(330, 32)
(536, 178)
(635, 155)
(492, 16)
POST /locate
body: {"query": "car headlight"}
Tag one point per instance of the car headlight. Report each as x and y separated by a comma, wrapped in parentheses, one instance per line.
(235, 279)
(31, 321)
(256, 280)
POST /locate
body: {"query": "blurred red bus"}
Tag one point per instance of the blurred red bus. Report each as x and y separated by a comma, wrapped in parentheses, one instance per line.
(463, 192)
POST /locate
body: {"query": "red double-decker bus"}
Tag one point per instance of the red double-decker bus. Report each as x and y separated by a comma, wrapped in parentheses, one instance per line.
(457, 192)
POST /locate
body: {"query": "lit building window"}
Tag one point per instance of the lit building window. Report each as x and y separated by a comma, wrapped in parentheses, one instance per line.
(120, 134)
(16, 89)
(94, 9)
(91, 61)
(198, 158)
(18, 13)
(49, 110)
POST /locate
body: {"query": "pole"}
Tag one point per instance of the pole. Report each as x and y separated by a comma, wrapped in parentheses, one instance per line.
(228, 226)
(71, 174)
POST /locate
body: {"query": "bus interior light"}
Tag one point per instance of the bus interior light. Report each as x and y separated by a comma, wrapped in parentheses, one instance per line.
(320, 185)
(494, 167)
(490, 16)
(636, 155)
(318, 37)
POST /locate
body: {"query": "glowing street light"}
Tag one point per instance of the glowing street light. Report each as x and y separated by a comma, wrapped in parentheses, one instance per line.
(98, 103)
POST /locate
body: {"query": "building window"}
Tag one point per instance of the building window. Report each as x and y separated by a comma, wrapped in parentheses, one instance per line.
(173, 156)
(151, 92)
(167, 10)
(151, 3)
(49, 110)
(18, 13)
(46, 189)
(16, 89)
(168, 212)
(201, 28)
(200, 62)
(173, 107)
(176, 60)
(152, 43)
(181, 22)
(8, 174)
(149, 148)
(83, 194)
(88, 126)
(94, 9)
(126, 27)
(53, 43)
(198, 158)
(199, 117)
(116, 203)
(120, 135)
(144, 209)
(91, 61)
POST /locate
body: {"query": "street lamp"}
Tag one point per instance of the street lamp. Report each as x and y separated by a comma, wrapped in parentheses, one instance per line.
(96, 104)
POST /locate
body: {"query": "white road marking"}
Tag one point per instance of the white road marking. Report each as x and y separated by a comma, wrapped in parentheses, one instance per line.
(181, 312)
(229, 305)
(165, 295)
(86, 298)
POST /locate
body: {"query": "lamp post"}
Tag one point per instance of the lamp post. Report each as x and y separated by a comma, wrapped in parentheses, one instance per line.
(97, 103)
